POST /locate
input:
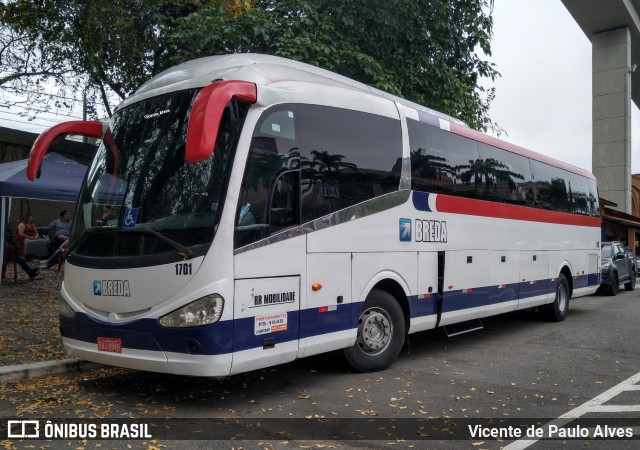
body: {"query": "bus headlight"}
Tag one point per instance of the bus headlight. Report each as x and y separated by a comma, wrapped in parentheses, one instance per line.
(64, 309)
(204, 311)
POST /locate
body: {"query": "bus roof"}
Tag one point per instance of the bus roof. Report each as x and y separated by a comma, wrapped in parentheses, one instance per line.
(264, 70)
(260, 69)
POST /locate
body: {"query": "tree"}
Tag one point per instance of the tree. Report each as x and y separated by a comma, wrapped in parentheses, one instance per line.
(110, 47)
(24, 68)
(423, 50)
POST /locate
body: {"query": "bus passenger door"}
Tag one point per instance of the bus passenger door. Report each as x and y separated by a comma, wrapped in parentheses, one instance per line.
(266, 306)
(325, 320)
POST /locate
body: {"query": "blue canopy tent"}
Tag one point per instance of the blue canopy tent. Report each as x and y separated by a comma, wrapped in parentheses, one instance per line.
(60, 180)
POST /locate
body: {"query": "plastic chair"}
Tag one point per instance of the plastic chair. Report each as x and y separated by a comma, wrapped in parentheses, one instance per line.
(20, 245)
(9, 257)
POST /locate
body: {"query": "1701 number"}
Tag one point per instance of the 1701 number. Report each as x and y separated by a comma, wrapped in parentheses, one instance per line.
(184, 269)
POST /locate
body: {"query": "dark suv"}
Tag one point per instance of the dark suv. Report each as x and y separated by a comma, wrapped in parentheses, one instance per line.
(617, 267)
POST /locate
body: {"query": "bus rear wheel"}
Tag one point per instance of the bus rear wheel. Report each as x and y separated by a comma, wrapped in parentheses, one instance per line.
(557, 311)
(381, 332)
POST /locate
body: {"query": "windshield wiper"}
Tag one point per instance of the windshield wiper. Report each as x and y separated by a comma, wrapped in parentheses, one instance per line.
(182, 250)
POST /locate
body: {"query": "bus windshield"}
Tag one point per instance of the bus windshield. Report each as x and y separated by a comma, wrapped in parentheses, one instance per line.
(142, 203)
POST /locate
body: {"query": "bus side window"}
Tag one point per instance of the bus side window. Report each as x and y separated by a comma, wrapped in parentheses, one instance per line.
(593, 200)
(268, 200)
(579, 199)
(347, 157)
(443, 162)
(552, 190)
(507, 176)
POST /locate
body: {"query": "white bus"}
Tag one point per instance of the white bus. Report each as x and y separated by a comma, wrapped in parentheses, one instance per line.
(243, 211)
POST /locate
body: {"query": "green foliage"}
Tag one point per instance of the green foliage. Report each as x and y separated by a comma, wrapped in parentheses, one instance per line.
(110, 46)
(423, 50)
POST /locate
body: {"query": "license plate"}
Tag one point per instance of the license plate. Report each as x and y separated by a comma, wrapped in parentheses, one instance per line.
(113, 345)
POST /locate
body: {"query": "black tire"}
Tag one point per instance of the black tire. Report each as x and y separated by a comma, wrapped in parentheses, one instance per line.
(557, 311)
(631, 284)
(381, 333)
(612, 289)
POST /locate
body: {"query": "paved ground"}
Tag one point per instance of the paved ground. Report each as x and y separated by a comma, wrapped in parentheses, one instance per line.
(29, 318)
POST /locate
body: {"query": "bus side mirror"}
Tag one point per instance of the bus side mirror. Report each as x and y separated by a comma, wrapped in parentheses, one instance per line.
(41, 145)
(206, 113)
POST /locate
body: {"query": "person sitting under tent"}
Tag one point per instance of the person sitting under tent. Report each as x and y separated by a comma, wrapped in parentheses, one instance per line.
(11, 253)
(26, 230)
(61, 228)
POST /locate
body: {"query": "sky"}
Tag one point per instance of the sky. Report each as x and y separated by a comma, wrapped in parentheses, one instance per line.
(543, 98)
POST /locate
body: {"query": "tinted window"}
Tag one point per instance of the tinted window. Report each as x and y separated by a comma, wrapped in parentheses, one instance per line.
(269, 196)
(347, 157)
(444, 162)
(507, 176)
(594, 202)
(580, 201)
(551, 186)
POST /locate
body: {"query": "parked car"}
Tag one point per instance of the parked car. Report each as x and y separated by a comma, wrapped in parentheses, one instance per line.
(618, 266)
(634, 262)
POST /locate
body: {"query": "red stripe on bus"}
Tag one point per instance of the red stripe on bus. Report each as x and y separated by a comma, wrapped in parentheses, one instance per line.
(490, 140)
(473, 207)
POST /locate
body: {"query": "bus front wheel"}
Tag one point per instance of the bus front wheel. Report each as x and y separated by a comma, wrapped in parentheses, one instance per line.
(381, 331)
(557, 311)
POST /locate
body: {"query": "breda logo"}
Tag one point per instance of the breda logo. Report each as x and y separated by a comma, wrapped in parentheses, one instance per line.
(423, 230)
(111, 288)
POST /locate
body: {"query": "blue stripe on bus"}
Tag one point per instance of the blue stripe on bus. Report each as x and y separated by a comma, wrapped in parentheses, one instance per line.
(218, 339)
(535, 288)
(421, 306)
(315, 323)
(147, 334)
(421, 201)
(580, 281)
(491, 295)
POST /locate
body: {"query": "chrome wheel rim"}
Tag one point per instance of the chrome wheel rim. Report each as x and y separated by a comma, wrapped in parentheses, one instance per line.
(562, 297)
(375, 330)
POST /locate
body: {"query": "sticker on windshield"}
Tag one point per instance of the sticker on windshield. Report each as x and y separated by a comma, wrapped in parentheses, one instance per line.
(130, 217)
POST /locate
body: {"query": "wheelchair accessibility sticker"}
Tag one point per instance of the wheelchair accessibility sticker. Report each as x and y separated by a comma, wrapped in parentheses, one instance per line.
(130, 218)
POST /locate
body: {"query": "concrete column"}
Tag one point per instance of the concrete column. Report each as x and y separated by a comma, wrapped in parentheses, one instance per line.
(612, 116)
